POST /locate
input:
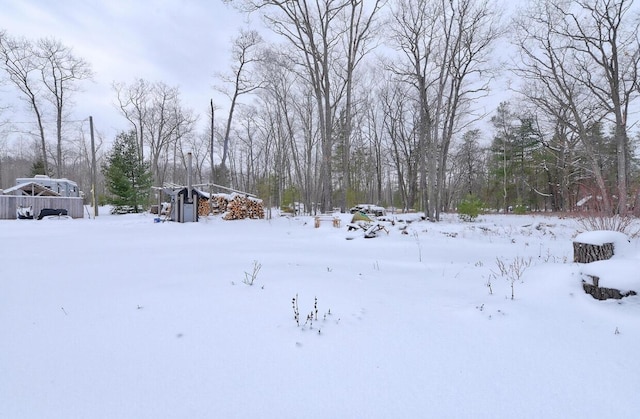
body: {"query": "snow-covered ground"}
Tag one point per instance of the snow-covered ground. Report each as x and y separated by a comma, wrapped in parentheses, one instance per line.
(121, 317)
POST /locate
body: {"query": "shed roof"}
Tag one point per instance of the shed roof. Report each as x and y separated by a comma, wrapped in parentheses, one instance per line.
(30, 189)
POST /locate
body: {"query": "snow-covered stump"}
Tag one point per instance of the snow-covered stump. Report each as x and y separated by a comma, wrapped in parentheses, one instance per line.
(593, 246)
(603, 293)
(599, 246)
(587, 253)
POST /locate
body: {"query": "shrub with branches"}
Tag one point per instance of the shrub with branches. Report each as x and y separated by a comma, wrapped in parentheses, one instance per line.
(620, 223)
(512, 271)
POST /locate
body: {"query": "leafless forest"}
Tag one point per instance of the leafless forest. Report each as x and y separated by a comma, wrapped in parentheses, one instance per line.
(354, 101)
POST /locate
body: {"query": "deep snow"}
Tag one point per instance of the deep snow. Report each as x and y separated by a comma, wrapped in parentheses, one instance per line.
(121, 317)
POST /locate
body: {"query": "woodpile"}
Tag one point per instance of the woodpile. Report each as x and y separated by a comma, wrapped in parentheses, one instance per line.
(204, 208)
(240, 207)
(220, 202)
(217, 205)
(232, 206)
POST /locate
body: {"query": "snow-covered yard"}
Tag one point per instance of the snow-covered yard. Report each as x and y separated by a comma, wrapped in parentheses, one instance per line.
(121, 317)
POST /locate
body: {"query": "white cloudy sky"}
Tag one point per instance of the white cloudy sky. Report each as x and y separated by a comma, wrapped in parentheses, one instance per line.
(180, 42)
(183, 43)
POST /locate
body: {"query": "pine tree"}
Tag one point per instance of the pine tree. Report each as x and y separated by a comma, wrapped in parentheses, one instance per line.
(128, 178)
(38, 168)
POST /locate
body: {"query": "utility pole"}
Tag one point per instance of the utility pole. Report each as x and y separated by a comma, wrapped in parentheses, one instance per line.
(212, 177)
(94, 192)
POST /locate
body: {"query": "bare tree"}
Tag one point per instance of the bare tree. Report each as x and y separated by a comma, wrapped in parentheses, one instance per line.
(158, 118)
(469, 163)
(400, 121)
(133, 100)
(323, 33)
(244, 52)
(167, 121)
(443, 53)
(582, 60)
(607, 42)
(60, 71)
(21, 64)
(360, 29)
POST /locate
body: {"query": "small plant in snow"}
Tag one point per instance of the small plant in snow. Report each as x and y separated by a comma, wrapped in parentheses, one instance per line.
(502, 267)
(489, 283)
(296, 310)
(311, 317)
(249, 278)
(512, 271)
(315, 307)
(417, 236)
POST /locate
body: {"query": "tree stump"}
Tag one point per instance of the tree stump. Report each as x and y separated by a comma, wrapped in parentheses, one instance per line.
(602, 293)
(587, 253)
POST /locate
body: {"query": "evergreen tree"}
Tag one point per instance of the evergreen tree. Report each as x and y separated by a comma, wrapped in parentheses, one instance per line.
(38, 168)
(128, 177)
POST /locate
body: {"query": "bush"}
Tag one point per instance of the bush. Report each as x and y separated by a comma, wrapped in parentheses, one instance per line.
(520, 208)
(469, 208)
(598, 221)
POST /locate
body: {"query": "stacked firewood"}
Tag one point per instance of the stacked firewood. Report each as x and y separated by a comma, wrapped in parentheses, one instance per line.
(216, 205)
(240, 207)
(220, 202)
(204, 208)
(232, 206)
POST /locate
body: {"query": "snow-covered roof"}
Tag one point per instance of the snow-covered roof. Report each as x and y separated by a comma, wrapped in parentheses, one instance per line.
(31, 188)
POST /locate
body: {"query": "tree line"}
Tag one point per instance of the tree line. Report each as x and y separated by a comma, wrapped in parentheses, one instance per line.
(377, 101)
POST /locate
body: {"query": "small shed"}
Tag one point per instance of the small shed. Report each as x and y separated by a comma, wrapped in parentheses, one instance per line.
(184, 204)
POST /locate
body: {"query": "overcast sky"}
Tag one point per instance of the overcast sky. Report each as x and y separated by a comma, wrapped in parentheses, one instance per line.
(180, 42)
